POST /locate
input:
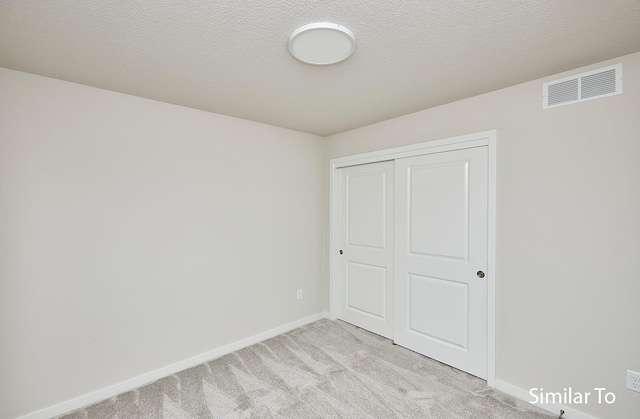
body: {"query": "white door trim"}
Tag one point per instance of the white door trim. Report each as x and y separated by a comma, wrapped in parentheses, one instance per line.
(485, 138)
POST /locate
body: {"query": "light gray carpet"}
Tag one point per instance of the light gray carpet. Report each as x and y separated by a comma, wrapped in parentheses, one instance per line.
(329, 369)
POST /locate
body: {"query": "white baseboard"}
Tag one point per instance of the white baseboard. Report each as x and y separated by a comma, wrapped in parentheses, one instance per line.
(128, 385)
(569, 412)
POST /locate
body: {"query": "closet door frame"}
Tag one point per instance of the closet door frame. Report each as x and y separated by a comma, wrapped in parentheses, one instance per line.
(485, 138)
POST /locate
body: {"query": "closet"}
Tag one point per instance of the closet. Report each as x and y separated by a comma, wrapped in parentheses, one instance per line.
(410, 249)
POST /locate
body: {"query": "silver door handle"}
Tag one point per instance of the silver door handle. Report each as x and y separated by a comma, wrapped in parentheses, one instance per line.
(480, 274)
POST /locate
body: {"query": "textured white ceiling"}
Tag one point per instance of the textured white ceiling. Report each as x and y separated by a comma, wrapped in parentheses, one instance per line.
(231, 57)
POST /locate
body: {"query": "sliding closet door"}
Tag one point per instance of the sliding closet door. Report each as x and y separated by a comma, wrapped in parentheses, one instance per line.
(365, 207)
(440, 256)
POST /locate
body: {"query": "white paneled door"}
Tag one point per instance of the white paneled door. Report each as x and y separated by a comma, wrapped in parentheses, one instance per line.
(441, 257)
(365, 217)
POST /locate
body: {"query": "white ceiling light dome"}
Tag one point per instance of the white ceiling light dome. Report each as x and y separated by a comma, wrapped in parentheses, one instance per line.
(322, 43)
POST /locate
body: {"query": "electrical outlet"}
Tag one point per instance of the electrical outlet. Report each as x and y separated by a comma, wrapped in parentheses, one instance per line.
(299, 294)
(633, 380)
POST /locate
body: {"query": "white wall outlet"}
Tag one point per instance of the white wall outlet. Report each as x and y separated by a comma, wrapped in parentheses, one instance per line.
(633, 380)
(299, 294)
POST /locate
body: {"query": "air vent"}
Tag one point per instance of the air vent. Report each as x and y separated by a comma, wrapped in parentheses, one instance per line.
(581, 87)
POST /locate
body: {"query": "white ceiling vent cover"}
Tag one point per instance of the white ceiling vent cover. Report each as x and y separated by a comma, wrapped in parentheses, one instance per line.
(593, 84)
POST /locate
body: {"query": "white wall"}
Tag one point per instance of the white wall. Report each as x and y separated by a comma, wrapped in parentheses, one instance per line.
(568, 268)
(135, 234)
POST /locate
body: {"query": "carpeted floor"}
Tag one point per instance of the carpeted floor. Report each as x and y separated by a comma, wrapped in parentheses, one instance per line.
(329, 369)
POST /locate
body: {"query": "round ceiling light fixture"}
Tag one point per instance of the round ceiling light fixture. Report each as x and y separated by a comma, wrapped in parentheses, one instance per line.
(322, 43)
